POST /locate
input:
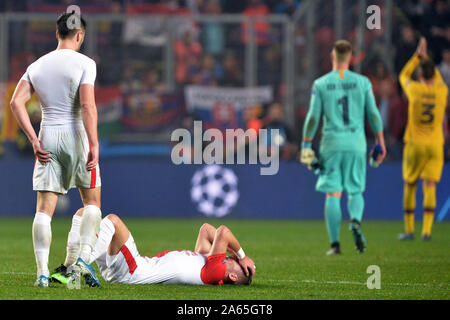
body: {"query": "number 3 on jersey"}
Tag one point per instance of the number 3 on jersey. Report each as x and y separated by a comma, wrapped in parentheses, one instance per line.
(427, 114)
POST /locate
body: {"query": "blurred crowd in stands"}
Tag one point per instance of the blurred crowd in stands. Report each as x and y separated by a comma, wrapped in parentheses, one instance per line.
(213, 54)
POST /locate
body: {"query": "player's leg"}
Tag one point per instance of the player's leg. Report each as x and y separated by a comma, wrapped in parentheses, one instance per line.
(119, 237)
(333, 218)
(354, 183)
(429, 205)
(409, 205)
(73, 239)
(413, 162)
(89, 227)
(62, 273)
(330, 182)
(355, 206)
(42, 234)
(90, 222)
(431, 174)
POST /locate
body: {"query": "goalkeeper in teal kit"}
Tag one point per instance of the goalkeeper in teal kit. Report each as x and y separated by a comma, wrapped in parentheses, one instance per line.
(343, 99)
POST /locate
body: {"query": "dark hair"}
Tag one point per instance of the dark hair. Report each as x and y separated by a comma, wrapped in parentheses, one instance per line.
(427, 69)
(62, 25)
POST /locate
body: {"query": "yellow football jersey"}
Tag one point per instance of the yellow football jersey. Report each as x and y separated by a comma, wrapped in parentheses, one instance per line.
(426, 108)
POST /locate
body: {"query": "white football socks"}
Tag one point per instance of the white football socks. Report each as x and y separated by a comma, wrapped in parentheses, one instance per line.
(105, 235)
(73, 242)
(42, 238)
(90, 225)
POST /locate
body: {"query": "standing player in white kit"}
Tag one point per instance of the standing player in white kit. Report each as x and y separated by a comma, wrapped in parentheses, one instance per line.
(67, 149)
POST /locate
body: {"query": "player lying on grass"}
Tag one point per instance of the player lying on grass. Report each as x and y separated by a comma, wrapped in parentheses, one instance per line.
(118, 259)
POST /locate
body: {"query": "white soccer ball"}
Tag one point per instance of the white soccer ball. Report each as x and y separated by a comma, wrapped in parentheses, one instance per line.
(214, 190)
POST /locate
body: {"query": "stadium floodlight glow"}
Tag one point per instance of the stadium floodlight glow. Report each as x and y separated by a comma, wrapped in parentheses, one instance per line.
(262, 145)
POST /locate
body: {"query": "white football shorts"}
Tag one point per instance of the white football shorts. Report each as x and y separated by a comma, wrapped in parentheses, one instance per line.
(69, 147)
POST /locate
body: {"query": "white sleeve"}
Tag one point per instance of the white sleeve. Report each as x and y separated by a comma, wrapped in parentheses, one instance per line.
(89, 73)
(26, 76)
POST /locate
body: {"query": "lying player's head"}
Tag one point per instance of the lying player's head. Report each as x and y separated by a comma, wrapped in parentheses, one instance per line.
(71, 26)
(235, 274)
(426, 69)
(342, 51)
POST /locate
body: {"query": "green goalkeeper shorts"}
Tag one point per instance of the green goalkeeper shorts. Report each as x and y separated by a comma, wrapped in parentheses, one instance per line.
(342, 171)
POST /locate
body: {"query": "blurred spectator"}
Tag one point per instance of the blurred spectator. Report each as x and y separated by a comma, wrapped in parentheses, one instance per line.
(261, 28)
(208, 73)
(151, 82)
(233, 6)
(382, 82)
(384, 89)
(232, 71)
(287, 7)
(444, 66)
(435, 22)
(269, 71)
(194, 5)
(284, 140)
(187, 55)
(405, 48)
(250, 117)
(213, 32)
(395, 127)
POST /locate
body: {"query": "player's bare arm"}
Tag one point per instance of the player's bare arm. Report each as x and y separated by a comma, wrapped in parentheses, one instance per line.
(89, 115)
(205, 240)
(223, 239)
(22, 94)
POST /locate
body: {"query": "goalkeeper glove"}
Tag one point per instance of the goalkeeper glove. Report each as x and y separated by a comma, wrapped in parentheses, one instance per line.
(374, 156)
(307, 155)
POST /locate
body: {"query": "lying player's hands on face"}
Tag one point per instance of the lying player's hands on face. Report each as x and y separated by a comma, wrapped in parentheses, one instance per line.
(42, 155)
(248, 265)
(92, 160)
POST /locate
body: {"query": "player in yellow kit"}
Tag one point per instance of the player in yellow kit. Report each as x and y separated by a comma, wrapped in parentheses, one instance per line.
(423, 154)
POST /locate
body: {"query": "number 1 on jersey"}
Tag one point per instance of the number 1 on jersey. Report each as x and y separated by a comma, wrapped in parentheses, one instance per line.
(344, 102)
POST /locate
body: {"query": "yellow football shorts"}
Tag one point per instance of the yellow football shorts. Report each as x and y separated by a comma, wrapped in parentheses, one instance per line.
(424, 161)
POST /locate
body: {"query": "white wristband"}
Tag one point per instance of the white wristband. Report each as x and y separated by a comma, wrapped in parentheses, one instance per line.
(241, 254)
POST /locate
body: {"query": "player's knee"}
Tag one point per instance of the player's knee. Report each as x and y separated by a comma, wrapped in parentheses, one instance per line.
(222, 230)
(334, 194)
(79, 212)
(205, 226)
(429, 183)
(411, 184)
(113, 218)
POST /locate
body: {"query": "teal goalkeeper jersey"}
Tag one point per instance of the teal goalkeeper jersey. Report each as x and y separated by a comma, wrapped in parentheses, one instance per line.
(342, 99)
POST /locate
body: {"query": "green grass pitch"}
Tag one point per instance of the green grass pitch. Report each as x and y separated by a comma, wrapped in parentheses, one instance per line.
(289, 255)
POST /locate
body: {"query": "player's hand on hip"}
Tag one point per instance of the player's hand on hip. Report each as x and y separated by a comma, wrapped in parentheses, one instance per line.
(248, 266)
(42, 155)
(93, 157)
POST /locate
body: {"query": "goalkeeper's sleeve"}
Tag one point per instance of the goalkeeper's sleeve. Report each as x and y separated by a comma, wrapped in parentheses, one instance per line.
(313, 117)
(372, 111)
